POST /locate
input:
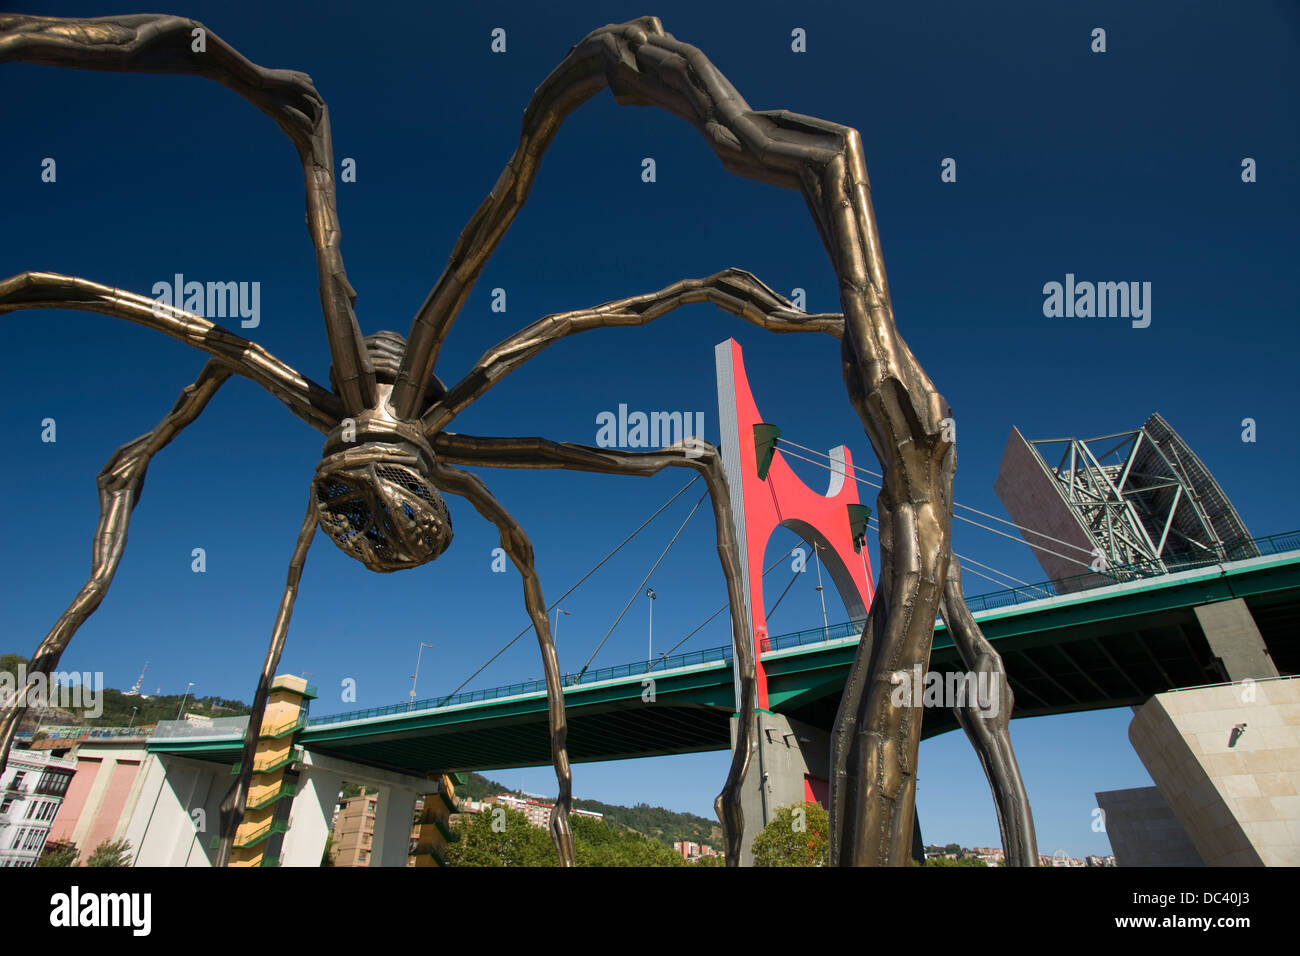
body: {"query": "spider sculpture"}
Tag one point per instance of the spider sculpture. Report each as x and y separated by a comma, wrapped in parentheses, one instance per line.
(388, 459)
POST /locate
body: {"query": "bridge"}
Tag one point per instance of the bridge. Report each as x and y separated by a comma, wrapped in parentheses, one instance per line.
(1065, 651)
(1219, 609)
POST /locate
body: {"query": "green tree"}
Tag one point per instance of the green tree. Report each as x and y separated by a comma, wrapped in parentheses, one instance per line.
(960, 861)
(506, 838)
(797, 836)
(499, 839)
(600, 843)
(115, 853)
(59, 854)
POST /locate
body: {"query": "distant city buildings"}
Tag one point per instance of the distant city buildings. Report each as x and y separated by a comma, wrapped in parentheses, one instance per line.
(694, 851)
(994, 856)
(533, 807)
(1060, 859)
(353, 828)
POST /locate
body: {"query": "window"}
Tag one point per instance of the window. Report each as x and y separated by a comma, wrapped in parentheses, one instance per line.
(54, 783)
(6, 803)
(19, 776)
(18, 836)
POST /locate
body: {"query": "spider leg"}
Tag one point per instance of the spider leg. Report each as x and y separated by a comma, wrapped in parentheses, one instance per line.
(988, 729)
(154, 43)
(47, 290)
(236, 800)
(516, 544)
(121, 482)
(702, 457)
(733, 290)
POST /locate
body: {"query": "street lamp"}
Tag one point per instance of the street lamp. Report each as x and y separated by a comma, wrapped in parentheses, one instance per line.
(416, 676)
(187, 694)
(555, 631)
(650, 651)
(132, 723)
(826, 627)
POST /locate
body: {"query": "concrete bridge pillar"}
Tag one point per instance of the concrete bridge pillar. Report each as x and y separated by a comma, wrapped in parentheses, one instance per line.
(790, 763)
(310, 817)
(178, 812)
(394, 818)
(1235, 640)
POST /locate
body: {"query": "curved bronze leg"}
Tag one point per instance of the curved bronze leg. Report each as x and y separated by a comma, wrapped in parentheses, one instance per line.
(516, 544)
(236, 801)
(703, 457)
(120, 485)
(988, 729)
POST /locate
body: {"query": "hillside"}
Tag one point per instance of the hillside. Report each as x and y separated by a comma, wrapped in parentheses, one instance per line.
(664, 826)
(118, 706)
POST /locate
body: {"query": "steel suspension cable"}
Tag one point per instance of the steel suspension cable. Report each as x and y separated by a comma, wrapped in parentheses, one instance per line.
(556, 602)
(1009, 537)
(637, 592)
(956, 504)
(770, 569)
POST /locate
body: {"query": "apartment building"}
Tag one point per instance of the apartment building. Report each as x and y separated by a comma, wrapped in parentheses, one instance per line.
(694, 851)
(32, 788)
(537, 811)
(354, 829)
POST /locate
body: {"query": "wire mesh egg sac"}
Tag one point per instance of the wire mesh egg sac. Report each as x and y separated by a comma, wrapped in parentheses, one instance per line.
(386, 515)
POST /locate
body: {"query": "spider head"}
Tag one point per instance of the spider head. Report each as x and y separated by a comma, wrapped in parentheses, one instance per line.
(374, 498)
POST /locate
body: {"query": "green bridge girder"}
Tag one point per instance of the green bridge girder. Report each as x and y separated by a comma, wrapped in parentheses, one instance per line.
(1110, 647)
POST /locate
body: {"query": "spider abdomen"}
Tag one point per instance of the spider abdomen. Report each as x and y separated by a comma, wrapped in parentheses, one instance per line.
(377, 505)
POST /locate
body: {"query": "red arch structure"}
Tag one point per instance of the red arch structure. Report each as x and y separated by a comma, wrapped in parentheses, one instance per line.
(760, 504)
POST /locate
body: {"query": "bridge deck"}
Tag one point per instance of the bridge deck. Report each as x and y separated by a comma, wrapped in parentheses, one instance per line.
(1106, 647)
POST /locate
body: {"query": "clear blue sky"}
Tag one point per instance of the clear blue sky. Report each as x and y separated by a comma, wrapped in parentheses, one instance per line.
(1116, 166)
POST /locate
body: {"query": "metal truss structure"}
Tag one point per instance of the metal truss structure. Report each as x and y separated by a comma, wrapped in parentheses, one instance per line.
(1145, 499)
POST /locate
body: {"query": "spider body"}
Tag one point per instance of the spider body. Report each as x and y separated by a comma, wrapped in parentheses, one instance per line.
(375, 496)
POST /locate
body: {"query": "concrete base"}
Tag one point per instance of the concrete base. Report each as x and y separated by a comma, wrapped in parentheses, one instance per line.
(1227, 760)
(1143, 830)
(786, 755)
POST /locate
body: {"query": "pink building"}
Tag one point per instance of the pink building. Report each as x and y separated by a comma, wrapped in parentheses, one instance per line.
(103, 794)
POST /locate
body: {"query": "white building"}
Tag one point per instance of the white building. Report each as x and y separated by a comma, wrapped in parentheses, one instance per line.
(31, 790)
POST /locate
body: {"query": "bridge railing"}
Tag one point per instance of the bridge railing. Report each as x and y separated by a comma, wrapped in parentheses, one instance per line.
(813, 635)
(1272, 544)
(1253, 548)
(67, 732)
